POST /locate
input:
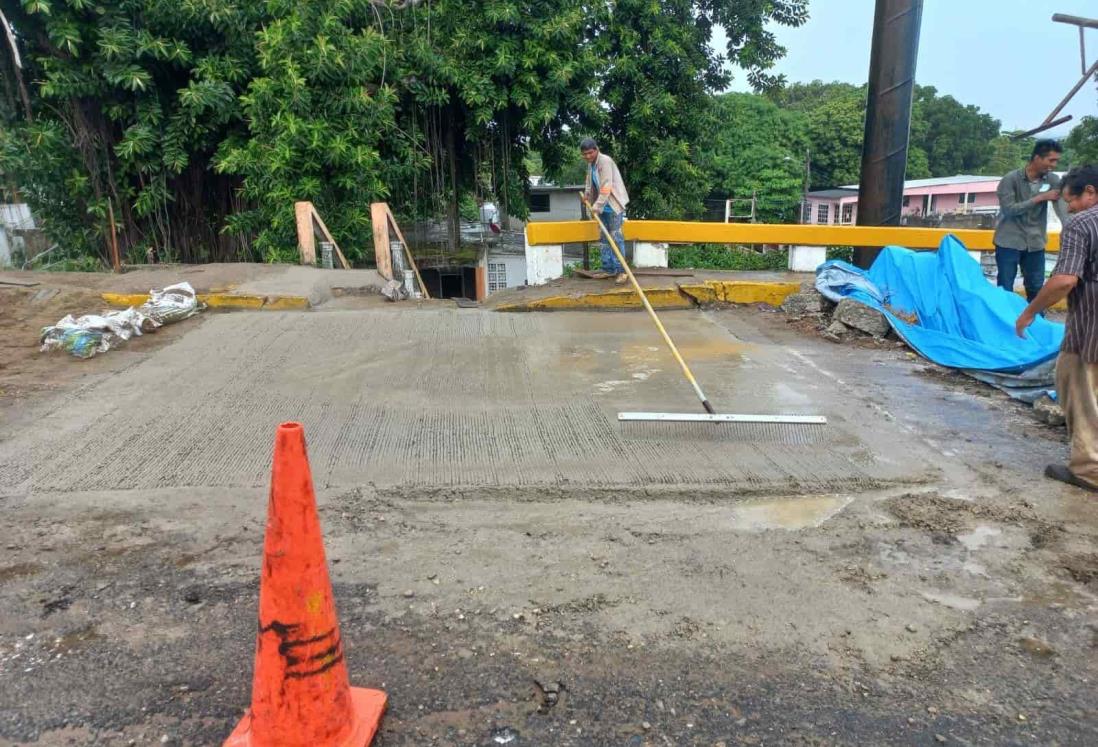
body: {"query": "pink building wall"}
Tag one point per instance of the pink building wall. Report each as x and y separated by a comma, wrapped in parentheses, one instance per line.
(946, 198)
(943, 198)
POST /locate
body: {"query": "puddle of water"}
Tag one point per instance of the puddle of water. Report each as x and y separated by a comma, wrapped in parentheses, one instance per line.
(953, 601)
(789, 513)
(608, 386)
(790, 396)
(1058, 594)
(978, 537)
(78, 639)
(10, 572)
(709, 349)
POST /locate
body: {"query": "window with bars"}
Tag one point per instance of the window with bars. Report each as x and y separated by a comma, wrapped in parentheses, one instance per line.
(848, 212)
(823, 212)
(497, 276)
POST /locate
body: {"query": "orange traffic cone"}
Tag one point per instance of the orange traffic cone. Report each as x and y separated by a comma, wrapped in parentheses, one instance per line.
(301, 696)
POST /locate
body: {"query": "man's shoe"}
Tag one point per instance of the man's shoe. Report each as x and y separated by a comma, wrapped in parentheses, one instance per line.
(1063, 474)
(621, 279)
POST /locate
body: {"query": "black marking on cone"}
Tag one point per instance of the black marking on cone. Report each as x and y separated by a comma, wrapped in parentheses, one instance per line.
(297, 665)
(285, 646)
(281, 629)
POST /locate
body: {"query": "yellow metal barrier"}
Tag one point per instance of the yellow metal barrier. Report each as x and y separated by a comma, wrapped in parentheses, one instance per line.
(683, 232)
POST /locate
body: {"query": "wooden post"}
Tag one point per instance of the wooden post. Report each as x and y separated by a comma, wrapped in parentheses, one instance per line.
(379, 219)
(116, 260)
(305, 215)
(306, 240)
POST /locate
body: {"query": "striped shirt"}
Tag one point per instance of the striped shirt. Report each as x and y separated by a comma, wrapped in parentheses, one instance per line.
(1079, 257)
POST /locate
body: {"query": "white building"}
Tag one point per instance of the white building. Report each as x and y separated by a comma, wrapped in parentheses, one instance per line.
(13, 217)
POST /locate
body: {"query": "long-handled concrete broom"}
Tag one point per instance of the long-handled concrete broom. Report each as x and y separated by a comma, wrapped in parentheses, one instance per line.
(710, 415)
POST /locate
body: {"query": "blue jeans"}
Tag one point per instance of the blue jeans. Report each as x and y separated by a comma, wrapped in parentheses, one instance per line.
(610, 263)
(1033, 269)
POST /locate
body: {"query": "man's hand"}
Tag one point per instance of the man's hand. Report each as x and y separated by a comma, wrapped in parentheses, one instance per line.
(1022, 322)
(1049, 196)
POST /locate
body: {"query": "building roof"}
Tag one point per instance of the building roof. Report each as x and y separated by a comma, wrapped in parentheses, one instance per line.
(832, 194)
(556, 188)
(940, 181)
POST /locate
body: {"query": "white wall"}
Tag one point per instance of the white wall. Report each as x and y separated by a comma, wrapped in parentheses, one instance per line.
(544, 263)
(649, 254)
(514, 267)
(1054, 225)
(16, 216)
(5, 248)
(563, 205)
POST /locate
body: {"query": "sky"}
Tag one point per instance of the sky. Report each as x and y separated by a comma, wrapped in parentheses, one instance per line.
(1005, 56)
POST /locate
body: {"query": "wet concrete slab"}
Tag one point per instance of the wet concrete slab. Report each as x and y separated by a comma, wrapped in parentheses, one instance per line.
(468, 401)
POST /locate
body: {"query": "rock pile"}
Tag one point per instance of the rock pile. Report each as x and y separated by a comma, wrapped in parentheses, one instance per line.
(839, 321)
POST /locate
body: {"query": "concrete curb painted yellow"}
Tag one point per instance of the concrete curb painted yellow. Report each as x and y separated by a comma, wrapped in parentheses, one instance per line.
(680, 297)
(221, 301)
(773, 293)
(611, 300)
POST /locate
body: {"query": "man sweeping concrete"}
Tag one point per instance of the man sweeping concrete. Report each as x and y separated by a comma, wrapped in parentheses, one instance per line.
(1076, 278)
(605, 190)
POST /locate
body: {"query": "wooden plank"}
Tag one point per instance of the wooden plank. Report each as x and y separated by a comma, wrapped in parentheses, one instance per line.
(407, 250)
(306, 240)
(383, 255)
(663, 272)
(18, 283)
(328, 235)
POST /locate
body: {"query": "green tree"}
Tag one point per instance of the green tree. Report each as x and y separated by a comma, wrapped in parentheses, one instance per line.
(656, 72)
(758, 149)
(130, 101)
(1082, 142)
(1008, 152)
(955, 137)
(321, 126)
(202, 121)
(947, 137)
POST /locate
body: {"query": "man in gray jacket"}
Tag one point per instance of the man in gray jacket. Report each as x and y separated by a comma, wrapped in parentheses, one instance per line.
(1024, 196)
(606, 192)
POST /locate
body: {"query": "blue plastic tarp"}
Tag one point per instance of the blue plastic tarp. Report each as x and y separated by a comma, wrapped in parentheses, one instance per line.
(964, 321)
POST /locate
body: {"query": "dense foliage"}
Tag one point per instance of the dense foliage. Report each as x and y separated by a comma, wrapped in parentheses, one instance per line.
(200, 122)
(1082, 143)
(763, 144)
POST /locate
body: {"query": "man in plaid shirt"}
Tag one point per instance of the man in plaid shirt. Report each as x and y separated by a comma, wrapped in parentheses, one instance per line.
(1076, 277)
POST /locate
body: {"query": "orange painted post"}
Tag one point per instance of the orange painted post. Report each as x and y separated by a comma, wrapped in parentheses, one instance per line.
(301, 695)
(482, 283)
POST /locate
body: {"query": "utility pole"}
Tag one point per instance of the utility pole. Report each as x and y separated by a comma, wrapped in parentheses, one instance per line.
(807, 185)
(887, 117)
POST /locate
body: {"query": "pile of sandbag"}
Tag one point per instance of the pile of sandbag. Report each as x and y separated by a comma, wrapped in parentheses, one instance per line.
(87, 335)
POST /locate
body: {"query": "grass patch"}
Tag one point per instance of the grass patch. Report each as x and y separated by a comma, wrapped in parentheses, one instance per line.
(725, 257)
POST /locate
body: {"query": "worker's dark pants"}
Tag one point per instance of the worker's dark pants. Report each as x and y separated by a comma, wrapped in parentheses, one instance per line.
(1033, 269)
